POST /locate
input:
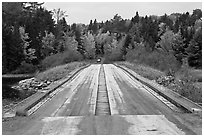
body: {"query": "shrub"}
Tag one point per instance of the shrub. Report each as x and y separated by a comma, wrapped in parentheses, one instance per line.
(114, 56)
(48, 42)
(189, 74)
(156, 59)
(185, 79)
(117, 51)
(60, 59)
(25, 68)
(186, 85)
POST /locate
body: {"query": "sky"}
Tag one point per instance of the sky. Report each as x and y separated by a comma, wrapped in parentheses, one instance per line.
(83, 12)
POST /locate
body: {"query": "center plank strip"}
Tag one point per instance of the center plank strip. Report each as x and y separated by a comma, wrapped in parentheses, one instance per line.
(102, 104)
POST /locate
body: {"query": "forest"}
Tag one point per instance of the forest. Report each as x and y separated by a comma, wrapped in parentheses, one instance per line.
(35, 39)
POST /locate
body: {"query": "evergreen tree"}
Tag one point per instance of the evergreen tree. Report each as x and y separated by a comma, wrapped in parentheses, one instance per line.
(194, 49)
(176, 25)
(197, 14)
(61, 29)
(135, 19)
(73, 27)
(165, 19)
(36, 26)
(90, 25)
(178, 46)
(12, 48)
(95, 27)
(135, 32)
(149, 32)
(79, 39)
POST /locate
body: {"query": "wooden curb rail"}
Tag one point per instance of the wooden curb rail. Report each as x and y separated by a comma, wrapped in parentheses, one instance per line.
(170, 95)
(23, 110)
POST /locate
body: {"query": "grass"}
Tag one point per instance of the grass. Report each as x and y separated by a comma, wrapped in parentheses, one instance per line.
(59, 72)
(190, 90)
(157, 63)
(188, 81)
(144, 70)
(194, 74)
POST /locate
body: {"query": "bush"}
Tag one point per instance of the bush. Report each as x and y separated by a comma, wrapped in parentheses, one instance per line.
(114, 56)
(185, 79)
(189, 74)
(117, 51)
(186, 84)
(60, 59)
(156, 59)
(190, 91)
(25, 68)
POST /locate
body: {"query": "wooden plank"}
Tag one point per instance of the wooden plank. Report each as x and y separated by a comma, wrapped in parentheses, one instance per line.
(92, 108)
(102, 103)
(112, 102)
(74, 84)
(110, 125)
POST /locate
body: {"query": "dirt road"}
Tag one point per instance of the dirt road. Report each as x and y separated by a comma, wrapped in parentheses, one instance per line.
(103, 99)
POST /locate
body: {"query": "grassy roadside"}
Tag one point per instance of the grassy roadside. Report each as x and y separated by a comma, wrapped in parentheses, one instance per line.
(59, 72)
(186, 81)
(145, 71)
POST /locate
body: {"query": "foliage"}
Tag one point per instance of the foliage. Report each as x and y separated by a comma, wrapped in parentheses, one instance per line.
(189, 90)
(136, 18)
(115, 54)
(30, 34)
(70, 44)
(103, 41)
(156, 59)
(117, 25)
(29, 53)
(95, 27)
(185, 81)
(194, 49)
(61, 31)
(135, 32)
(48, 42)
(58, 14)
(60, 59)
(36, 26)
(178, 47)
(79, 38)
(89, 45)
(165, 19)
(25, 68)
(118, 50)
(166, 41)
(149, 30)
(12, 50)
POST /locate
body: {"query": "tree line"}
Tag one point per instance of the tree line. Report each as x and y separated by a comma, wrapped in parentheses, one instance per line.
(31, 33)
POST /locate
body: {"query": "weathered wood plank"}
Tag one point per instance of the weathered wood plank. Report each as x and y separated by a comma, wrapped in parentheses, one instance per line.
(111, 125)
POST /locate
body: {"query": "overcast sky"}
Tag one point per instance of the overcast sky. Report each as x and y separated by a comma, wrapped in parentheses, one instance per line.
(83, 12)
